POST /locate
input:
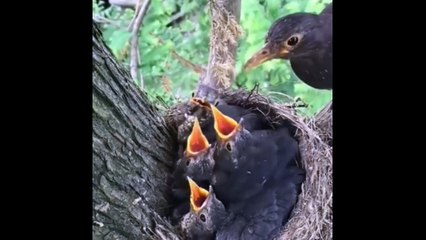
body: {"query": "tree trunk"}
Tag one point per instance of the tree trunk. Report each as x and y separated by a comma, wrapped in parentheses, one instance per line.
(133, 153)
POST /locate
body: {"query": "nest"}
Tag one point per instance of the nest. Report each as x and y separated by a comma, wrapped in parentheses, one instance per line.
(312, 216)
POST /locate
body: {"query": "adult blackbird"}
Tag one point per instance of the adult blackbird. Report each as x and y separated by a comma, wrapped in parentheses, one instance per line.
(206, 214)
(306, 40)
(245, 161)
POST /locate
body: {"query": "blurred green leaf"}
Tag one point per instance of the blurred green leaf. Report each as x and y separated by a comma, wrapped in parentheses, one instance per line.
(273, 6)
(293, 6)
(118, 40)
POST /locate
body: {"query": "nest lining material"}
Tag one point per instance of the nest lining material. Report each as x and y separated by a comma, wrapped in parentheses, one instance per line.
(312, 216)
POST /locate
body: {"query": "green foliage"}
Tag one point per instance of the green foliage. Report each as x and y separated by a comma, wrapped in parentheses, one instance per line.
(167, 81)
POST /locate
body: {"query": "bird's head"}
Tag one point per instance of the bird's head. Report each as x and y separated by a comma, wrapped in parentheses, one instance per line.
(206, 211)
(289, 37)
(198, 153)
(227, 130)
(197, 143)
(225, 127)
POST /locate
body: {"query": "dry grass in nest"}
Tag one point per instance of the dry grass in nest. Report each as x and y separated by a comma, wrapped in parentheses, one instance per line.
(312, 216)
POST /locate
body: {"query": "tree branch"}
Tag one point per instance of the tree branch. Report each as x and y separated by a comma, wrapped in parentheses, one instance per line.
(224, 34)
(134, 44)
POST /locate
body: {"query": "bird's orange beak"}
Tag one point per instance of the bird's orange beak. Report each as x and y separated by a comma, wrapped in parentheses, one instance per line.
(198, 196)
(263, 55)
(224, 126)
(196, 142)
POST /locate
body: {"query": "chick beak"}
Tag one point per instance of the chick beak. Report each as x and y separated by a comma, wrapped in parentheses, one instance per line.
(224, 126)
(263, 55)
(198, 196)
(200, 102)
(197, 142)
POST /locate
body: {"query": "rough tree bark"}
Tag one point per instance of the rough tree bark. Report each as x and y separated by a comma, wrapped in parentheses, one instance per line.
(133, 153)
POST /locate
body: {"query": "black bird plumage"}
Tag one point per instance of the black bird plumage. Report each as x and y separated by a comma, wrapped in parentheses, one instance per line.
(258, 218)
(262, 216)
(252, 159)
(305, 39)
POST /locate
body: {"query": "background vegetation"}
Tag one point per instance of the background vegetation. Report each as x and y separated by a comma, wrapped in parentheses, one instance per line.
(183, 26)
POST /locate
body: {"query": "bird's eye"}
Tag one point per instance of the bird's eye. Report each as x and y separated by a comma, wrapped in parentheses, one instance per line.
(202, 218)
(187, 162)
(293, 41)
(228, 146)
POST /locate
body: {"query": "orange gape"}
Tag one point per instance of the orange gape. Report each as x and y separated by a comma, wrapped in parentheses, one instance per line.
(224, 126)
(198, 195)
(197, 142)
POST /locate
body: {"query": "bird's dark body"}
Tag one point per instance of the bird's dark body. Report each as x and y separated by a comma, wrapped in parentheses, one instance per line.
(258, 218)
(262, 216)
(316, 69)
(260, 193)
(256, 158)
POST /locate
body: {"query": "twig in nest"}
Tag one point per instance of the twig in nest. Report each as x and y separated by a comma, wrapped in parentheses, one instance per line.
(255, 88)
(290, 98)
(297, 103)
(140, 13)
